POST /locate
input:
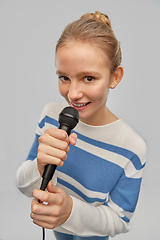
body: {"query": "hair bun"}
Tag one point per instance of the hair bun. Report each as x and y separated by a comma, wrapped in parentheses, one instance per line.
(98, 16)
(103, 17)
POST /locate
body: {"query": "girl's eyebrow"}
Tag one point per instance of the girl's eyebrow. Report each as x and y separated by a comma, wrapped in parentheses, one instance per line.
(60, 73)
(83, 73)
(89, 73)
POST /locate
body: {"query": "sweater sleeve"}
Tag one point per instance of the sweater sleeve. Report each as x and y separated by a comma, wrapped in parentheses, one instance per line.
(88, 220)
(27, 175)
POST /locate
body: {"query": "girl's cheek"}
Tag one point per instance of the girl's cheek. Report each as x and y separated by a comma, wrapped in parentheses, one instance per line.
(62, 90)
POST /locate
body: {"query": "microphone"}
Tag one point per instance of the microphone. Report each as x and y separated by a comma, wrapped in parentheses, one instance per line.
(68, 119)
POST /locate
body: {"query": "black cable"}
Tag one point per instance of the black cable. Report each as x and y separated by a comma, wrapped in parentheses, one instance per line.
(43, 229)
(43, 233)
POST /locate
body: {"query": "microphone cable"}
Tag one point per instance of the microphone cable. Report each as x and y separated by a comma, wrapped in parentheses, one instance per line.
(43, 233)
(43, 229)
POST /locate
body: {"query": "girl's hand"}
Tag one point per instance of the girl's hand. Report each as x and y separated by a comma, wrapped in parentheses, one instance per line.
(53, 148)
(56, 212)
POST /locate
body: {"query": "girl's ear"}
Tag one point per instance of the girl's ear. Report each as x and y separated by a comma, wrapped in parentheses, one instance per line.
(116, 77)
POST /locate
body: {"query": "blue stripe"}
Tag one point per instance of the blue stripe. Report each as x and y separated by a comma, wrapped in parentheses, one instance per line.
(126, 193)
(49, 120)
(90, 170)
(77, 191)
(34, 149)
(121, 151)
(125, 219)
(62, 236)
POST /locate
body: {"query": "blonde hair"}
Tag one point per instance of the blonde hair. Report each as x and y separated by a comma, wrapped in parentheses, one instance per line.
(94, 28)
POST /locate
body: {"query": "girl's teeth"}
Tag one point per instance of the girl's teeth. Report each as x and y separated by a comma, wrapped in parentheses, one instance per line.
(79, 105)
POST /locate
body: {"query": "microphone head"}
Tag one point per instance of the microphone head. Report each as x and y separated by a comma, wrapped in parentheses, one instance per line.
(69, 117)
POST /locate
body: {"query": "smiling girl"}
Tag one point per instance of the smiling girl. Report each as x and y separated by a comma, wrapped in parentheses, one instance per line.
(85, 79)
(95, 191)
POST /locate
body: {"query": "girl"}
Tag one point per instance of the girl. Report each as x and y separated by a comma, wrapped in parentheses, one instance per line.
(97, 187)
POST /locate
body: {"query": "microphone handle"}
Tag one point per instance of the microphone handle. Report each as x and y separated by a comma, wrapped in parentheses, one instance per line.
(50, 168)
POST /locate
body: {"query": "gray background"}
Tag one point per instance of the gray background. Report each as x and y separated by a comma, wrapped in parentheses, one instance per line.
(28, 34)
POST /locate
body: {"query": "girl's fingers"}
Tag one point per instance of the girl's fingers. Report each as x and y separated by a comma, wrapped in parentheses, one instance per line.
(53, 148)
(40, 209)
(44, 224)
(49, 140)
(57, 133)
(54, 137)
(54, 197)
(48, 150)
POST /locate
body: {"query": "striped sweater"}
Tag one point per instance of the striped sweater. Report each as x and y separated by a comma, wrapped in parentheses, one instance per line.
(102, 174)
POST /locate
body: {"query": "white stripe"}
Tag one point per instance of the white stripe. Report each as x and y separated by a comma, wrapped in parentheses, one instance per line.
(103, 153)
(131, 172)
(85, 191)
(73, 194)
(119, 210)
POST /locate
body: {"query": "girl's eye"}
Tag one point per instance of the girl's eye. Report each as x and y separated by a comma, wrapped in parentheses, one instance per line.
(63, 78)
(89, 79)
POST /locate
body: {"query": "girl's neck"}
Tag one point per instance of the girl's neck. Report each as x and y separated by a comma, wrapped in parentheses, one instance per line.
(107, 118)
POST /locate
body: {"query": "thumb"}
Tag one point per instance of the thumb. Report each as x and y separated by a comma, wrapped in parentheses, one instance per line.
(73, 138)
(53, 189)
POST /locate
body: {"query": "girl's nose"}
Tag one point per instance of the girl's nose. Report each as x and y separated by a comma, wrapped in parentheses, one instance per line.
(75, 92)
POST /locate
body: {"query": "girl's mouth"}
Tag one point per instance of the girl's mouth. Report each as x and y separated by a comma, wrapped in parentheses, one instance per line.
(79, 105)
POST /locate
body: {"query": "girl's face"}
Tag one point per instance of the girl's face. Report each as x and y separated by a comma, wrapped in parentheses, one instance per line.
(84, 80)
